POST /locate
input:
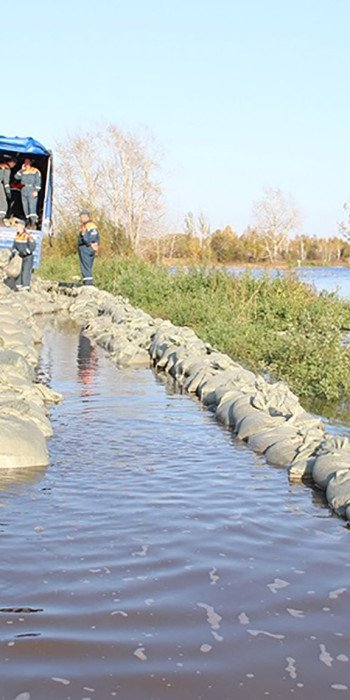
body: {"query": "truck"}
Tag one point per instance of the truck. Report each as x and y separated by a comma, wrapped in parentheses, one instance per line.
(19, 148)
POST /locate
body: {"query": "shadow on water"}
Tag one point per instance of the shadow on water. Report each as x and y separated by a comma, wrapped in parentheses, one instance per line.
(161, 557)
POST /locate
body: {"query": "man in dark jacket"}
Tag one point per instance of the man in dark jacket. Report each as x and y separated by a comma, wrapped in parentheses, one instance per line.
(88, 242)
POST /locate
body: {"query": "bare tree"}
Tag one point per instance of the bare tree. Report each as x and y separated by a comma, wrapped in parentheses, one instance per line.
(190, 224)
(203, 227)
(113, 174)
(344, 226)
(276, 216)
(77, 175)
(199, 228)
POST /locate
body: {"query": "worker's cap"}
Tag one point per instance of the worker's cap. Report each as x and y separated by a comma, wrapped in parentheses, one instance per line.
(84, 212)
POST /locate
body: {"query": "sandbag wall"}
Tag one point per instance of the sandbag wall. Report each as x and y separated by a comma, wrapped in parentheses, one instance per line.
(266, 415)
(24, 403)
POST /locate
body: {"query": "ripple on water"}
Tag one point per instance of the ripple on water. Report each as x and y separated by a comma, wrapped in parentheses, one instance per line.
(157, 557)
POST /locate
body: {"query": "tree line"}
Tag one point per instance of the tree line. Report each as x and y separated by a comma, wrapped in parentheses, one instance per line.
(225, 246)
(116, 175)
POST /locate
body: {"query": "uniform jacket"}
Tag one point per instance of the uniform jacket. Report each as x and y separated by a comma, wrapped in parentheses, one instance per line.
(30, 178)
(23, 244)
(5, 173)
(88, 234)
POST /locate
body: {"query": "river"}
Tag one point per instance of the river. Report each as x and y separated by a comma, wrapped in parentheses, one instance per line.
(158, 558)
(324, 279)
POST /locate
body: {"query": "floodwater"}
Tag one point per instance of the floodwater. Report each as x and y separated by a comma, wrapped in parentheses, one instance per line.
(325, 279)
(158, 558)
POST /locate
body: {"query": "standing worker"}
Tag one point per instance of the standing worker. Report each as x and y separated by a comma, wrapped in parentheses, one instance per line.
(30, 177)
(5, 191)
(88, 241)
(24, 246)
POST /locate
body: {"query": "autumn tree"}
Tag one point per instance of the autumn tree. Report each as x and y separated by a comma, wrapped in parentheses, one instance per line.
(252, 246)
(224, 245)
(275, 216)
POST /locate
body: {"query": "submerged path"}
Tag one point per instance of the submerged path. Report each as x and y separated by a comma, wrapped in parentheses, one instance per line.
(159, 558)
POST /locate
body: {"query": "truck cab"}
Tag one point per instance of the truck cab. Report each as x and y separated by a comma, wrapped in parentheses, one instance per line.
(19, 148)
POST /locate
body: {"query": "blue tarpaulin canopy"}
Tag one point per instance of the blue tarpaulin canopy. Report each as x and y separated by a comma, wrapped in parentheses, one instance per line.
(19, 147)
(20, 144)
(29, 146)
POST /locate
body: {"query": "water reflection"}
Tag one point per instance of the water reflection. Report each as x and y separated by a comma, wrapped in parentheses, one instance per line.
(87, 364)
(12, 477)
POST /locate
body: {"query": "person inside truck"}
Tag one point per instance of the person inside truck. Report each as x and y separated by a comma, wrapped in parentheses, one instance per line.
(5, 191)
(30, 178)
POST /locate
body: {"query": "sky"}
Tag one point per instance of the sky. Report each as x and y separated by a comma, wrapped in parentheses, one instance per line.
(239, 96)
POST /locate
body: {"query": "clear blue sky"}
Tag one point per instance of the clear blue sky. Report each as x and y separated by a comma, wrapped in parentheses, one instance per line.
(240, 95)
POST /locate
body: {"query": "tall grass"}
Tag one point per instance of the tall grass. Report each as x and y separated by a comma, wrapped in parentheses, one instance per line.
(280, 326)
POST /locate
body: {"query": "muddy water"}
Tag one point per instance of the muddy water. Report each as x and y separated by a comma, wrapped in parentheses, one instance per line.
(157, 558)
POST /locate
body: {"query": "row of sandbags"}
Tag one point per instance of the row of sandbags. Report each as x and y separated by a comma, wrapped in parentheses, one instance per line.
(267, 415)
(24, 402)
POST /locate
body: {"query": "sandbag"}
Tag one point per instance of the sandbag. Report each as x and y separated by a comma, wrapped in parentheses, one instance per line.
(306, 421)
(232, 378)
(28, 352)
(282, 452)
(4, 258)
(46, 394)
(241, 409)
(172, 358)
(22, 444)
(16, 363)
(188, 368)
(261, 441)
(303, 463)
(338, 491)
(276, 399)
(301, 468)
(191, 383)
(27, 410)
(255, 422)
(129, 355)
(326, 465)
(14, 267)
(222, 392)
(10, 328)
(164, 359)
(225, 407)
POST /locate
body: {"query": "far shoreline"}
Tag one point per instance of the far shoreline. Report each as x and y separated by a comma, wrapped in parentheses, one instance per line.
(280, 265)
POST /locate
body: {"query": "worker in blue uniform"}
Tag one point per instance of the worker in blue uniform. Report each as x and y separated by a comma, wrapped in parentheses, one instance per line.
(30, 178)
(24, 246)
(5, 191)
(88, 243)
